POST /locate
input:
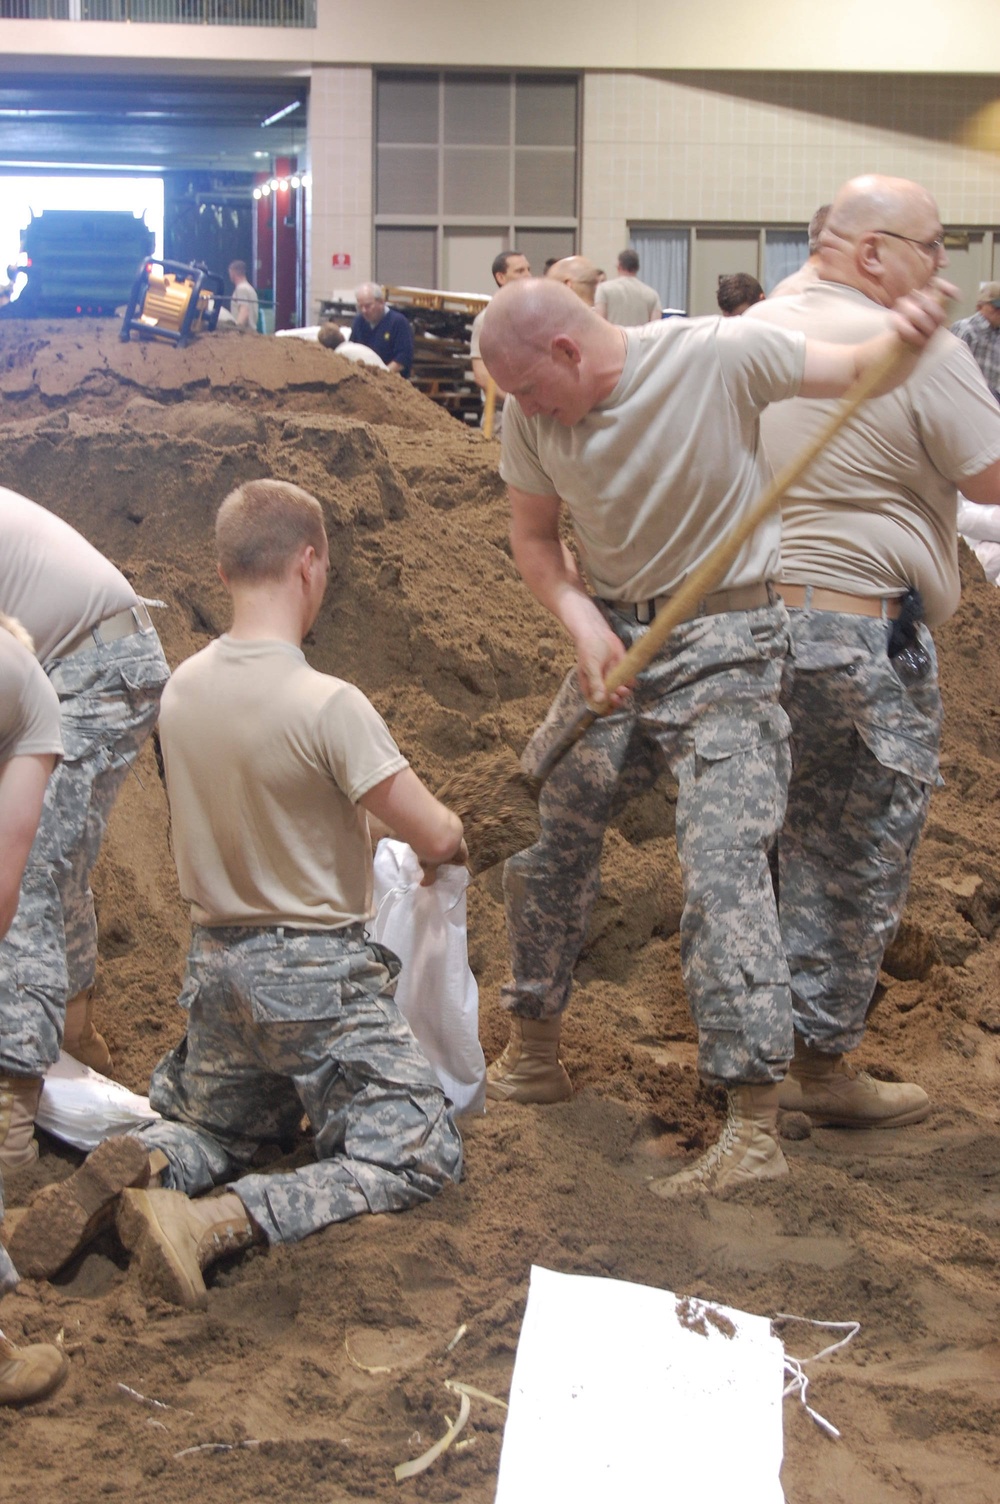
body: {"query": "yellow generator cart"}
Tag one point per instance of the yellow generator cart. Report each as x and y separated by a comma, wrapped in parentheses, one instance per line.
(172, 301)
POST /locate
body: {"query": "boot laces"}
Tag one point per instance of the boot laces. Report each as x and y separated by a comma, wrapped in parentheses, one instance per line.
(214, 1242)
(713, 1157)
(850, 1072)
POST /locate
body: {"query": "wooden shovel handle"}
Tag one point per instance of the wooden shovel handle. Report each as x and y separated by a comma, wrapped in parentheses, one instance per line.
(703, 579)
(489, 407)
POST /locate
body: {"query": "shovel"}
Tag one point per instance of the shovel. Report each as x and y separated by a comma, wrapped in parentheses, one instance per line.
(498, 802)
(703, 579)
(489, 407)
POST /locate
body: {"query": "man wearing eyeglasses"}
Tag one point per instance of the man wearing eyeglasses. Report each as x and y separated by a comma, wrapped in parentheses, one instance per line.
(869, 560)
(981, 332)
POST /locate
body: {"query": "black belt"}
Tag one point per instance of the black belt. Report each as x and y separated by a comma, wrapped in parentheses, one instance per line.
(739, 598)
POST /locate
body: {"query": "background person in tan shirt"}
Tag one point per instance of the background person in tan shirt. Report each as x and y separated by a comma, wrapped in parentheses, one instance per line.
(30, 747)
(579, 274)
(273, 771)
(626, 301)
(509, 266)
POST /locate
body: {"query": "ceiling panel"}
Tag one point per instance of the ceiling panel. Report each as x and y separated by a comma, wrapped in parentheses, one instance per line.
(150, 122)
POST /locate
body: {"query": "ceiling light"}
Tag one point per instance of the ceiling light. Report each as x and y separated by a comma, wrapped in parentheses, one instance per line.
(280, 114)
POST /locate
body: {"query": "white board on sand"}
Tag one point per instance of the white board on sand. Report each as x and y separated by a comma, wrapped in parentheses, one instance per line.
(626, 1393)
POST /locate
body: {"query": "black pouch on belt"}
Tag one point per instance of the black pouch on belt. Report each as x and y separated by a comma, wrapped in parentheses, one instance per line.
(907, 654)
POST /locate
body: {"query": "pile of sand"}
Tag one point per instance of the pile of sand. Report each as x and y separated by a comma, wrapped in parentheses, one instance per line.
(329, 1356)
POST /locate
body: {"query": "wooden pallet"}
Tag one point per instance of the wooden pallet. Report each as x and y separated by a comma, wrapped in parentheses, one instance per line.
(427, 297)
(442, 329)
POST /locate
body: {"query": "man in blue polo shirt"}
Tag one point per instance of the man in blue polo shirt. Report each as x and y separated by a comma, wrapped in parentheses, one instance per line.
(382, 329)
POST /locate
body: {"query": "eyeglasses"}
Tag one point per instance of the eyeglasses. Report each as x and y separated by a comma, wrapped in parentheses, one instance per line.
(932, 247)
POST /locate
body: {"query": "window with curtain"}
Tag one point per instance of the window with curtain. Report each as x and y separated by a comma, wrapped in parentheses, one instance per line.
(663, 263)
(784, 253)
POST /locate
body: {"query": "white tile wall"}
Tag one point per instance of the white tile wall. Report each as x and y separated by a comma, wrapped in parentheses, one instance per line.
(771, 147)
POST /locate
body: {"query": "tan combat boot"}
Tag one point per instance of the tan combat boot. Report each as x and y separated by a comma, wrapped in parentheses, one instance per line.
(175, 1239)
(80, 1038)
(18, 1104)
(529, 1070)
(748, 1149)
(63, 1218)
(836, 1093)
(30, 1373)
(159, 1164)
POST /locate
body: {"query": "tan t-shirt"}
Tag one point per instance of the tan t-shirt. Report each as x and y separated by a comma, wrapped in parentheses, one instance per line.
(29, 706)
(795, 282)
(670, 460)
(51, 578)
(875, 513)
(627, 301)
(265, 762)
(244, 305)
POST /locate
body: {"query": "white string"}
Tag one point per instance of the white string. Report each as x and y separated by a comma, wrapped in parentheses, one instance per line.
(798, 1383)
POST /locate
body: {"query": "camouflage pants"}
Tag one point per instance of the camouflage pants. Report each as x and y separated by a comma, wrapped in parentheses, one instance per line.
(109, 697)
(864, 762)
(285, 1022)
(708, 708)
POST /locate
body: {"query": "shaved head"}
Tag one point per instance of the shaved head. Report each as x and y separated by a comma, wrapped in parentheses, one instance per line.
(528, 315)
(579, 274)
(874, 201)
(883, 235)
(546, 347)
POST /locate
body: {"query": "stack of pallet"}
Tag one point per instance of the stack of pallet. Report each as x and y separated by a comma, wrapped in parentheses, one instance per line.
(442, 327)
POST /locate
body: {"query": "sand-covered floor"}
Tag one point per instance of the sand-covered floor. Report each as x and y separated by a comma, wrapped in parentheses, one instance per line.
(329, 1356)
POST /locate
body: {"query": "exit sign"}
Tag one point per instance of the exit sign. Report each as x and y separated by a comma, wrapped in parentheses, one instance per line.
(340, 258)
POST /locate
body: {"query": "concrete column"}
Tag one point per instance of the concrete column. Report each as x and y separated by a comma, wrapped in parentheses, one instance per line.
(340, 198)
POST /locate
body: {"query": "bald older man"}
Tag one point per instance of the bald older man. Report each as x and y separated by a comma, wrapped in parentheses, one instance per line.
(382, 329)
(871, 522)
(649, 437)
(581, 275)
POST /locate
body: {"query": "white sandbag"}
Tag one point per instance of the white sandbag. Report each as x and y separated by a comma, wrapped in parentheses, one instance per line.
(83, 1108)
(9, 1276)
(978, 524)
(980, 527)
(437, 993)
(627, 1393)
